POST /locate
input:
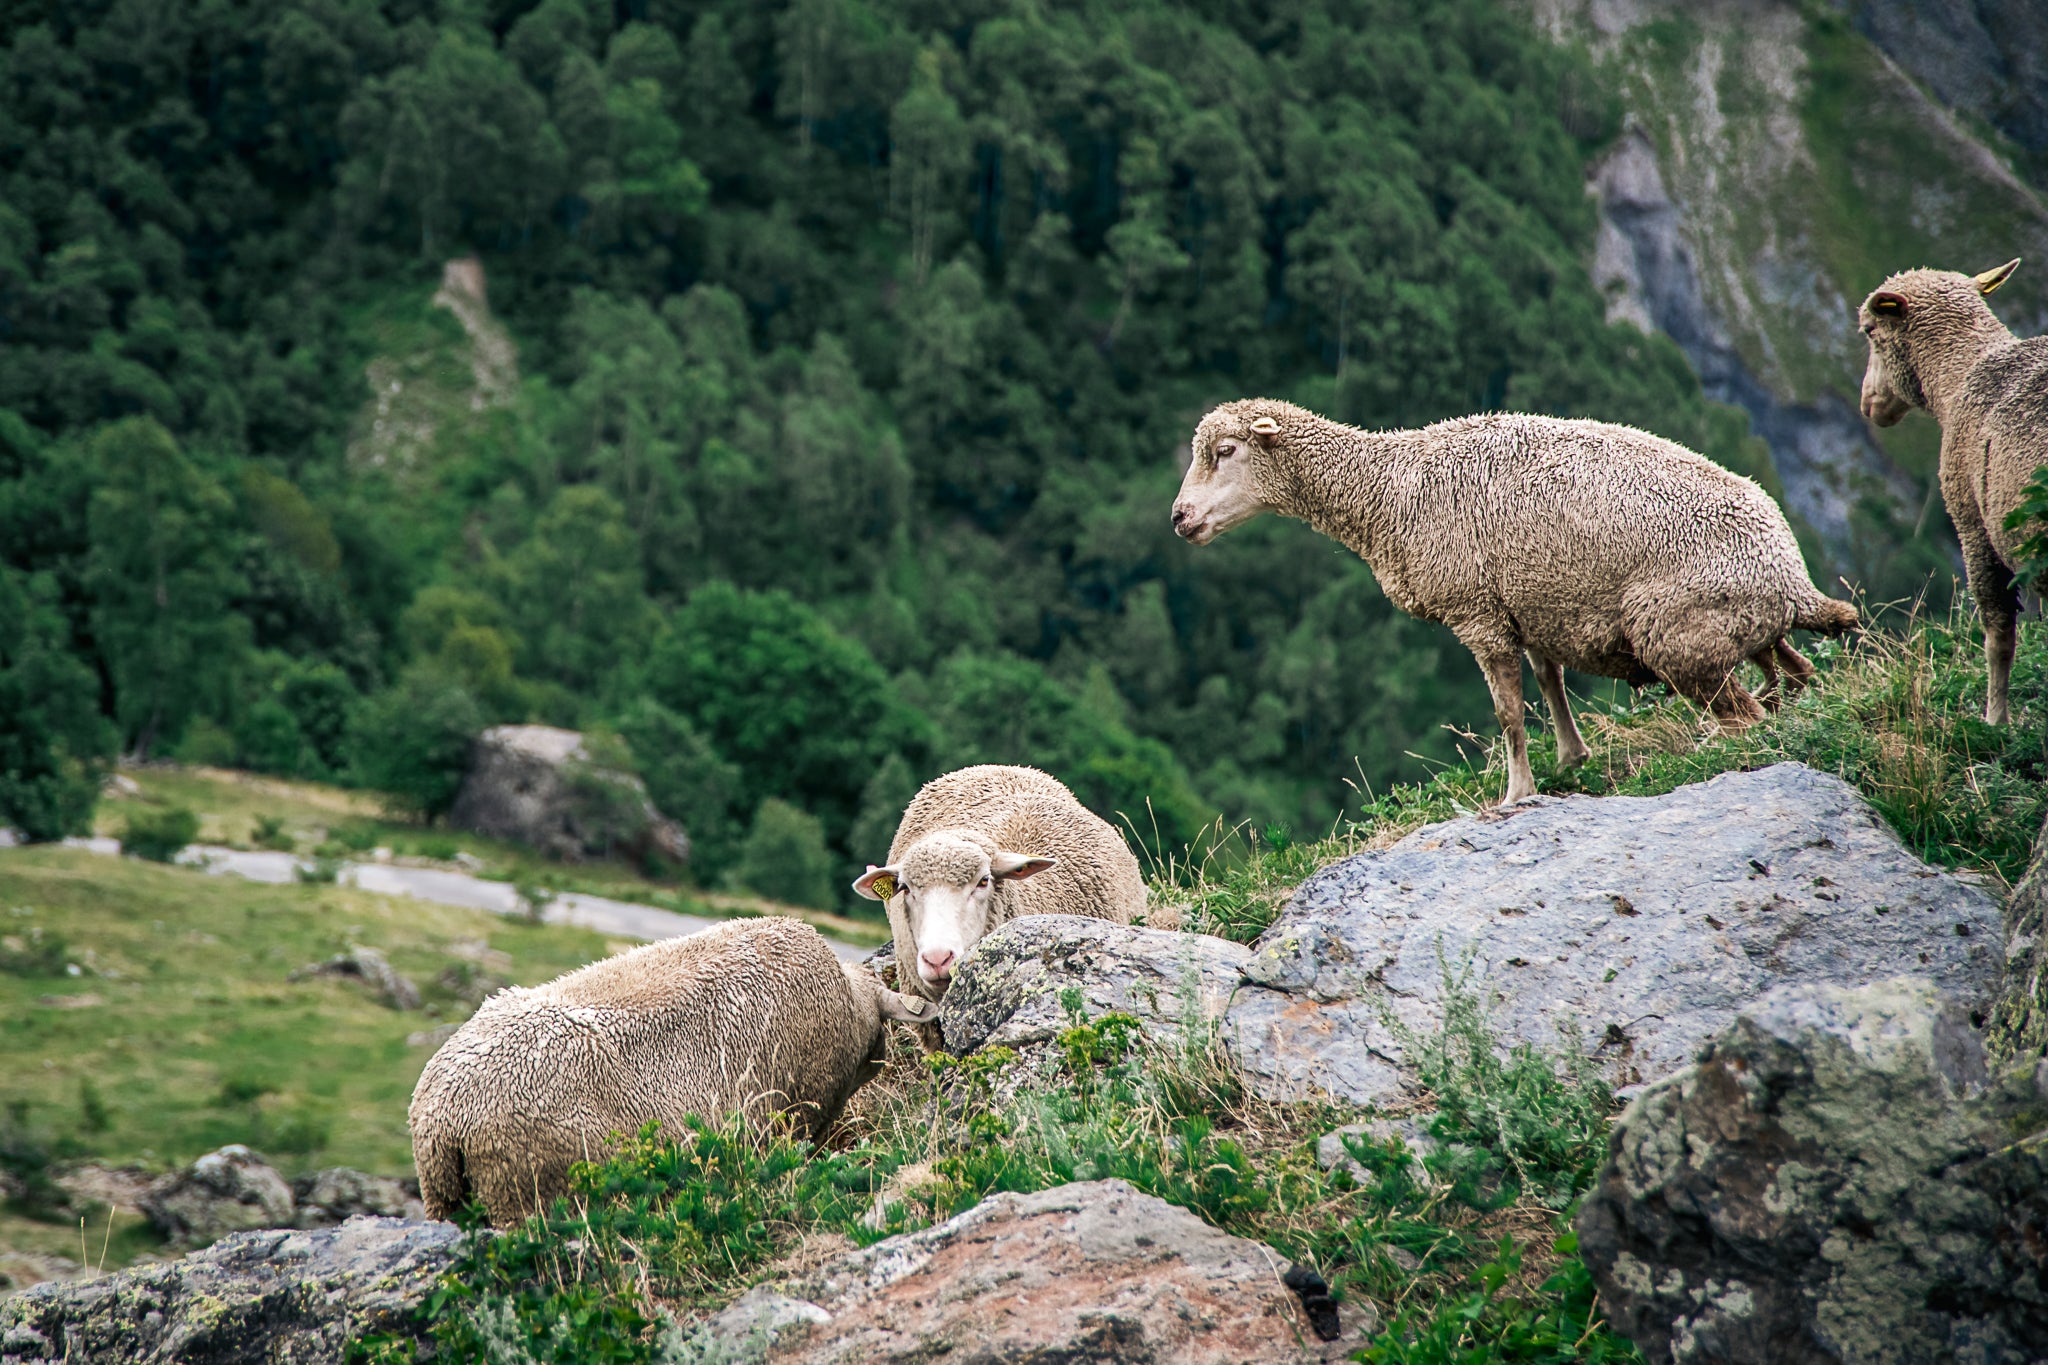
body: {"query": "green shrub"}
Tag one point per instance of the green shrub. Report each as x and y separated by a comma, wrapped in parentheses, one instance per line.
(785, 858)
(268, 831)
(206, 742)
(688, 782)
(412, 741)
(158, 835)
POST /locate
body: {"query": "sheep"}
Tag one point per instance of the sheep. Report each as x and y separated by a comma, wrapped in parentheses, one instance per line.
(755, 1016)
(1935, 344)
(982, 846)
(1584, 544)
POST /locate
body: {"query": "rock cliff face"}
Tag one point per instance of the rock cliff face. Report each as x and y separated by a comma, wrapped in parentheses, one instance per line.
(1777, 164)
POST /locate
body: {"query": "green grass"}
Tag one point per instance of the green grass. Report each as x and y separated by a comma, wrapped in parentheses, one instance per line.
(182, 1033)
(1898, 716)
(1469, 1263)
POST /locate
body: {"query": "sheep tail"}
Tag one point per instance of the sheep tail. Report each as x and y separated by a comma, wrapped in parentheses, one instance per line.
(1828, 616)
(443, 1185)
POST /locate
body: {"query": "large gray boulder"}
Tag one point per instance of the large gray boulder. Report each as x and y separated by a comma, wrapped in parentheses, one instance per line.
(1639, 924)
(540, 786)
(1008, 991)
(1838, 1179)
(1084, 1274)
(257, 1298)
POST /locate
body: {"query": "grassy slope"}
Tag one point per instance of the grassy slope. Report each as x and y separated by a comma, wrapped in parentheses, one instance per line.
(195, 1038)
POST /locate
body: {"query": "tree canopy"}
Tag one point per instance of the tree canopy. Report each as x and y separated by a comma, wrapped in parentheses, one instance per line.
(820, 429)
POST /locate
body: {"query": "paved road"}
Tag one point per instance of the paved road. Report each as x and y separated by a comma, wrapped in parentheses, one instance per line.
(622, 919)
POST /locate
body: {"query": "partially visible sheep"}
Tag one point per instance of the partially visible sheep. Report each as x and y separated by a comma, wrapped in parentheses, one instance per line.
(754, 1017)
(962, 855)
(1587, 545)
(1934, 344)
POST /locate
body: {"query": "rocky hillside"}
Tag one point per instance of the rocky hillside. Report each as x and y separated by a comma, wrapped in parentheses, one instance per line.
(1777, 162)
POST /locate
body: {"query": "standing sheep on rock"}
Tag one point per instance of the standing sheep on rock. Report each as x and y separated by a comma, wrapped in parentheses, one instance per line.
(755, 1017)
(962, 855)
(1583, 544)
(1935, 344)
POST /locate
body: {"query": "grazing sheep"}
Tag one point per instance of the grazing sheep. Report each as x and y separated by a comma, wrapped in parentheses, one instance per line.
(756, 1017)
(1934, 344)
(959, 864)
(1585, 545)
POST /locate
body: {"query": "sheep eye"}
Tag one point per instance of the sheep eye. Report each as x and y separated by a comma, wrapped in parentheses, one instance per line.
(1225, 451)
(983, 882)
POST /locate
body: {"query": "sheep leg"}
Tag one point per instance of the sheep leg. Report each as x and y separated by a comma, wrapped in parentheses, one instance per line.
(1798, 669)
(1720, 692)
(1504, 680)
(1571, 745)
(1767, 659)
(1998, 604)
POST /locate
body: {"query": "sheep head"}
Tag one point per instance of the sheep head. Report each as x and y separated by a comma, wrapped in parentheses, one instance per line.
(1912, 315)
(1232, 476)
(874, 1005)
(940, 892)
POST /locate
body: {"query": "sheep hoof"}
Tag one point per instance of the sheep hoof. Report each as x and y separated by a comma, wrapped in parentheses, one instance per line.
(1571, 758)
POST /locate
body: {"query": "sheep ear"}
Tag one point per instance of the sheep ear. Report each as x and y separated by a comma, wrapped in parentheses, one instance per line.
(1015, 867)
(1991, 279)
(910, 1009)
(1265, 428)
(1887, 305)
(878, 883)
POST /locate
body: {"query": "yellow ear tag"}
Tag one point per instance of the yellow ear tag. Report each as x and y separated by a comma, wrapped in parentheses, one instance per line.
(885, 887)
(916, 1005)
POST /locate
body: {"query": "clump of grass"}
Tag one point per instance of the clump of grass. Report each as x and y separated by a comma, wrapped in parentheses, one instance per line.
(268, 831)
(158, 835)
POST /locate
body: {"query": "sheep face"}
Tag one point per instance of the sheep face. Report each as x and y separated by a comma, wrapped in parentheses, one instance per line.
(944, 886)
(1229, 479)
(874, 1005)
(1891, 389)
(1911, 311)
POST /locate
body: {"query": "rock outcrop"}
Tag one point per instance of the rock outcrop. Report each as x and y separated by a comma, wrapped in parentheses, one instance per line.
(234, 1190)
(1838, 1179)
(1084, 1274)
(276, 1296)
(231, 1190)
(325, 1198)
(539, 786)
(1008, 991)
(1646, 922)
(373, 969)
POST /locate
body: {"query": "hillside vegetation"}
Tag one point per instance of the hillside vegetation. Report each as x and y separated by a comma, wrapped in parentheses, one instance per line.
(809, 414)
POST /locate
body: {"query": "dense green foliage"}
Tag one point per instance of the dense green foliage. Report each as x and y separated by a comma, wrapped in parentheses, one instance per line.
(689, 1218)
(823, 420)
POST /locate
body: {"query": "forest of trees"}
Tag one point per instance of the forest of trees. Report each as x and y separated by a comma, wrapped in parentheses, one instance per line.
(857, 342)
